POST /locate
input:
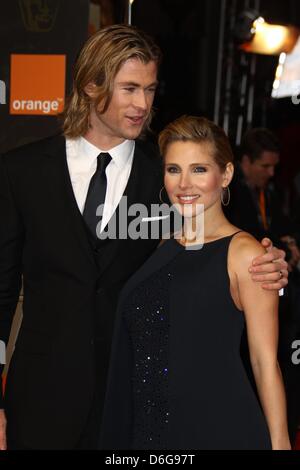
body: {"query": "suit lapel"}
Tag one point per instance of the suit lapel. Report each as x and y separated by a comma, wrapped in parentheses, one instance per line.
(108, 248)
(57, 174)
(101, 253)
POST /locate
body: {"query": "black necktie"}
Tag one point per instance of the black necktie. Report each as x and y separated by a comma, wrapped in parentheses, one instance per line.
(96, 193)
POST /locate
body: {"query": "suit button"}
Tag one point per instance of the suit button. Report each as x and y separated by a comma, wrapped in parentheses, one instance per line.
(99, 291)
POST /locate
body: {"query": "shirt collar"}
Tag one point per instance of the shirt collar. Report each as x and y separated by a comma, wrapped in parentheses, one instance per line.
(122, 152)
(119, 154)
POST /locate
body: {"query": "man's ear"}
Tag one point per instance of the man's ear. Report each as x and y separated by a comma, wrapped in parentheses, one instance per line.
(90, 89)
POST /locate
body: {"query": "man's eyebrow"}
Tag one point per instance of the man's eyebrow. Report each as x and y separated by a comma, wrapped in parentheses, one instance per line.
(153, 84)
(137, 85)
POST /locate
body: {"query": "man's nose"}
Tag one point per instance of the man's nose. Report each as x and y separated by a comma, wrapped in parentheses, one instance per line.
(140, 100)
(271, 171)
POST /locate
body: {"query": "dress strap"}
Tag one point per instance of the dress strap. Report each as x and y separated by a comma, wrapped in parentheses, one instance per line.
(235, 233)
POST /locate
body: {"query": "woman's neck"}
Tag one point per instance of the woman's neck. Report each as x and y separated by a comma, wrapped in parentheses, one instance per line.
(206, 227)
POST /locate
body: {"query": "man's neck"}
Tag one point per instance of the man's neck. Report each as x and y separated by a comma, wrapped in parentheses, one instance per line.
(101, 141)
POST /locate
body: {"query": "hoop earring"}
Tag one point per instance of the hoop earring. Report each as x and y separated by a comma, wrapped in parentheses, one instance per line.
(160, 198)
(225, 203)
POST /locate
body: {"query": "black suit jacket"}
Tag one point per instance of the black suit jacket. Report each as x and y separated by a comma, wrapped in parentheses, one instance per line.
(243, 211)
(70, 285)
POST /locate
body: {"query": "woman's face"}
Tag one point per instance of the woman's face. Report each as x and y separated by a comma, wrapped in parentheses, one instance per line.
(192, 177)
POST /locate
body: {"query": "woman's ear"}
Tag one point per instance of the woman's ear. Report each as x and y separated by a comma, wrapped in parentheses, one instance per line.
(228, 174)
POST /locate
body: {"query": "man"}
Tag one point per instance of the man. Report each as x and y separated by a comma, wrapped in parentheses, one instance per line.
(72, 279)
(255, 204)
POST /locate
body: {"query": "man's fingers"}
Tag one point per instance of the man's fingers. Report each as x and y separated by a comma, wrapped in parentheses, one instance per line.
(274, 255)
(267, 243)
(280, 253)
(277, 276)
(275, 285)
(269, 268)
(3, 444)
(267, 258)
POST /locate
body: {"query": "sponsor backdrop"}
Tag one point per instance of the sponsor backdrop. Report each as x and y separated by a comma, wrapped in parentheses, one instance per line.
(39, 41)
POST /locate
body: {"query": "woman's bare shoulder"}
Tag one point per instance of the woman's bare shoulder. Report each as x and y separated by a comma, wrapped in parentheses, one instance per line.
(243, 249)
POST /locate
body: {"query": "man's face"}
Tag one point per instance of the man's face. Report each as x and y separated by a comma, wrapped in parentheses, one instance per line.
(133, 94)
(262, 170)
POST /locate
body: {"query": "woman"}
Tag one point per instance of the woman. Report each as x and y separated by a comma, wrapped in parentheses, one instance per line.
(177, 380)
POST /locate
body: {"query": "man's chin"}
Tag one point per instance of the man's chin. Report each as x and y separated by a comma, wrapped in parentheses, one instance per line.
(133, 134)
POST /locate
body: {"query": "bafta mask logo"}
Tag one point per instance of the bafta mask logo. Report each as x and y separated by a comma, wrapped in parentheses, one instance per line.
(39, 15)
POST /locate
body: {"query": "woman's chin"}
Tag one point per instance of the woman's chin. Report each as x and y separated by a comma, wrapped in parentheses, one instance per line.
(187, 210)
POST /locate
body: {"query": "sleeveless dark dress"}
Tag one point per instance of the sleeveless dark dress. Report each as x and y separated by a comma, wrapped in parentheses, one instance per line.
(177, 380)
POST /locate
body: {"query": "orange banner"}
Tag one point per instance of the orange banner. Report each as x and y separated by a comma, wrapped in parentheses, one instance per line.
(37, 84)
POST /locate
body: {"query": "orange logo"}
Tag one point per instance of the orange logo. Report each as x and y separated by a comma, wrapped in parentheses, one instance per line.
(37, 84)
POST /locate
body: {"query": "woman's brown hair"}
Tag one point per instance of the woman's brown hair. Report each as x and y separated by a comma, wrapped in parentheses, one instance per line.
(198, 130)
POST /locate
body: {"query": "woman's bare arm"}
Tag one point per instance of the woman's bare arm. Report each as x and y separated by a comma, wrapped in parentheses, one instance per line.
(260, 307)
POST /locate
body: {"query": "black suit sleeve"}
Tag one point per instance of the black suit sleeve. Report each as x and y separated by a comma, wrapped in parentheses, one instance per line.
(11, 246)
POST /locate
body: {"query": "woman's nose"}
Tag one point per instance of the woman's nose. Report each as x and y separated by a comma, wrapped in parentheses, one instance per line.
(185, 181)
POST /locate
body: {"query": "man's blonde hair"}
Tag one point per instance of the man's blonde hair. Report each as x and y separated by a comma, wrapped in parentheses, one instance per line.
(99, 61)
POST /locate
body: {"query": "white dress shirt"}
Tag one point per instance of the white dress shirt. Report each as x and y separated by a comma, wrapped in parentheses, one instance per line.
(82, 164)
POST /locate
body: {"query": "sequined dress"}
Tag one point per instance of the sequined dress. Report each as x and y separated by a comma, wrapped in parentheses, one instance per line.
(176, 378)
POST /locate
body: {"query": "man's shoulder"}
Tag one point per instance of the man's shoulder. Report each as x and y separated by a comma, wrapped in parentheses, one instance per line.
(36, 146)
(148, 153)
(33, 150)
(149, 149)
